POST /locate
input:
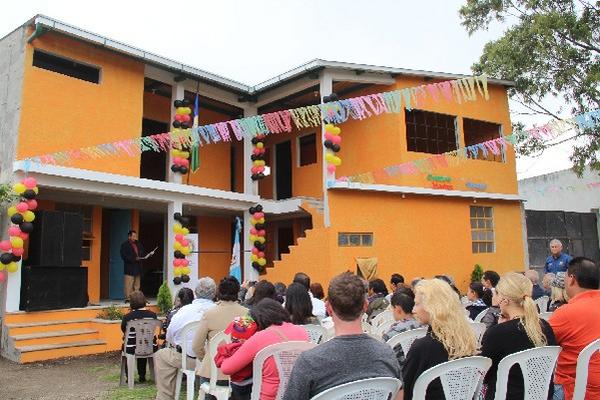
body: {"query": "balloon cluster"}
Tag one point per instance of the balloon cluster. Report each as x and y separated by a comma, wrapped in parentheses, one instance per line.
(257, 238)
(182, 248)
(183, 120)
(258, 157)
(21, 216)
(332, 140)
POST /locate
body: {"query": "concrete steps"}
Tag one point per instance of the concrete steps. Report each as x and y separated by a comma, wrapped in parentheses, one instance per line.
(60, 350)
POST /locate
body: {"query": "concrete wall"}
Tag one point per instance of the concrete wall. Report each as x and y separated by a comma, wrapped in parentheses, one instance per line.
(563, 191)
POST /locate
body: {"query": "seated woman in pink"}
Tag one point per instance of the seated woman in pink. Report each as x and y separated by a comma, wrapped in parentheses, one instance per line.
(273, 327)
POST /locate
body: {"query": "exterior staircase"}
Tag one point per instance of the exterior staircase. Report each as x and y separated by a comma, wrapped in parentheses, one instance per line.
(47, 335)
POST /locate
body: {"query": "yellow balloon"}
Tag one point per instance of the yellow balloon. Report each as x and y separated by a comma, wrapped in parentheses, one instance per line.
(337, 161)
(28, 216)
(12, 267)
(260, 145)
(178, 271)
(252, 221)
(261, 239)
(2, 266)
(185, 231)
(329, 157)
(36, 190)
(261, 221)
(186, 270)
(185, 251)
(254, 257)
(262, 262)
(19, 188)
(16, 242)
(12, 211)
(253, 238)
(175, 153)
(184, 154)
(177, 246)
(336, 131)
(329, 127)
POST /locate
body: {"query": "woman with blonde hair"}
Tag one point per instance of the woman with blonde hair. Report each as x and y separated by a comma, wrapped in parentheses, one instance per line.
(449, 336)
(522, 330)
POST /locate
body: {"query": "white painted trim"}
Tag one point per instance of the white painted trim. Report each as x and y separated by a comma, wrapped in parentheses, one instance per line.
(325, 88)
(287, 90)
(367, 77)
(422, 191)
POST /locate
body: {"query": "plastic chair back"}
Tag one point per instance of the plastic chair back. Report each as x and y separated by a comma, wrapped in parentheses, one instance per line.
(188, 330)
(365, 389)
(220, 392)
(479, 329)
(537, 366)
(461, 379)
(316, 333)
(284, 354)
(546, 315)
(581, 373)
(382, 317)
(145, 332)
(480, 316)
(382, 328)
(542, 303)
(406, 339)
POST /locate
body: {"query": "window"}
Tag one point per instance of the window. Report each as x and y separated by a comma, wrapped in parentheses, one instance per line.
(65, 66)
(482, 229)
(308, 149)
(353, 239)
(478, 132)
(429, 132)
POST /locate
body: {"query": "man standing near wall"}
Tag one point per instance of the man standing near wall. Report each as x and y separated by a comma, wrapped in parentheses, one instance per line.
(557, 261)
(131, 253)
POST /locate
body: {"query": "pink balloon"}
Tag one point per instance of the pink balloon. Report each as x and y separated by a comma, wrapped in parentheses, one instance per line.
(336, 139)
(253, 231)
(331, 168)
(24, 235)
(32, 204)
(255, 250)
(185, 162)
(179, 237)
(254, 170)
(18, 252)
(29, 183)
(184, 242)
(5, 245)
(22, 207)
(2, 276)
(261, 254)
(260, 168)
(258, 215)
(176, 262)
(328, 136)
(262, 232)
(184, 262)
(14, 231)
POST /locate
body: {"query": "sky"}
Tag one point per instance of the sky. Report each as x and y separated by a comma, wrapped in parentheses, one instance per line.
(252, 41)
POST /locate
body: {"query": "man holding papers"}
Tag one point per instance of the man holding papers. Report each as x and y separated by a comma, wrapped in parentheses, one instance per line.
(131, 253)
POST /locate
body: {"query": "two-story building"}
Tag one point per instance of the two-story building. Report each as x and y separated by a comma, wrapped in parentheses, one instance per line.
(64, 88)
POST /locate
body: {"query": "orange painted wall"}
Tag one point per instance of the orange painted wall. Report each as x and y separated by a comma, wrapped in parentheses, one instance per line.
(73, 113)
(157, 108)
(214, 235)
(414, 236)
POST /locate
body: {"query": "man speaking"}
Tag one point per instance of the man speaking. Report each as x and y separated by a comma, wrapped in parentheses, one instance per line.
(132, 254)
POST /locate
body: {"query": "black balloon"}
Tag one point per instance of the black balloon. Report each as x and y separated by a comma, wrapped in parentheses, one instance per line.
(254, 177)
(256, 265)
(333, 97)
(183, 170)
(257, 243)
(328, 144)
(177, 216)
(255, 140)
(185, 103)
(258, 208)
(260, 246)
(6, 258)
(185, 221)
(176, 124)
(185, 279)
(184, 125)
(16, 258)
(26, 227)
(326, 99)
(259, 227)
(29, 194)
(177, 103)
(335, 147)
(17, 219)
(178, 254)
(252, 210)
(253, 157)
(177, 280)
(260, 175)
(175, 168)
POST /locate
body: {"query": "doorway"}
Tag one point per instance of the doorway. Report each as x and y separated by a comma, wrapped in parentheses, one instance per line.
(115, 226)
(151, 235)
(153, 164)
(285, 239)
(283, 170)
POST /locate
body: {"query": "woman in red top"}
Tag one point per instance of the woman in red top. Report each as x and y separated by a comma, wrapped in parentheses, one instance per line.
(273, 327)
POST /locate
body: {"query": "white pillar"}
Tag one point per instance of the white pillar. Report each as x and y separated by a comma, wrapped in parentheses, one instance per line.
(13, 289)
(173, 207)
(325, 89)
(177, 93)
(251, 188)
(524, 233)
(250, 274)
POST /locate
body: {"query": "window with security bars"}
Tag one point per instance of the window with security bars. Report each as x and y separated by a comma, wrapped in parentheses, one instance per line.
(482, 229)
(476, 132)
(354, 239)
(430, 132)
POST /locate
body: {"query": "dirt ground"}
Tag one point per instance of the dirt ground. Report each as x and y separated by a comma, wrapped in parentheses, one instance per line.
(91, 377)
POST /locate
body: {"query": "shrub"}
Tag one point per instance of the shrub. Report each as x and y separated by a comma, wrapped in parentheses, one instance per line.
(477, 273)
(111, 312)
(164, 300)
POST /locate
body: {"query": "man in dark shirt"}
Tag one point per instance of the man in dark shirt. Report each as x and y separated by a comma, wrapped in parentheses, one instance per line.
(132, 252)
(351, 355)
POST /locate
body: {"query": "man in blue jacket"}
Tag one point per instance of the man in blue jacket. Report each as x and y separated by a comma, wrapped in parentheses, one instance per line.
(557, 261)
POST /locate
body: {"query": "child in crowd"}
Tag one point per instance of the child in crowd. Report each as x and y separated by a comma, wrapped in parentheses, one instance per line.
(240, 330)
(475, 296)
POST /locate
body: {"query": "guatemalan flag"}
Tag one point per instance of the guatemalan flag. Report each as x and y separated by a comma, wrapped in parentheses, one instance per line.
(235, 268)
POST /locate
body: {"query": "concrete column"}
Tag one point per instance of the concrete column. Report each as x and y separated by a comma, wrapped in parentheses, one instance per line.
(325, 89)
(13, 290)
(250, 186)
(177, 93)
(250, 274)
(524, 232)
(173, 207)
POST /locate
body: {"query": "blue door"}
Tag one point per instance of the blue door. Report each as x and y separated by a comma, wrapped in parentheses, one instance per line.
(120, 224)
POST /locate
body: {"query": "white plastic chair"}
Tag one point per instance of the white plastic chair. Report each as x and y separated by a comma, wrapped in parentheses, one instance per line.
(480, 316)
(382, 328)
(145, 331)
(537, 366)
(384, 316)
(364, 389)
(406, 339)
(284, 354)
(366, 327)
(211, 387)
(581, 373)
(461, 379)
(479, 329)
(329, 334)
(542, 303)
(190, 374)
(546, 315)
(316, 333)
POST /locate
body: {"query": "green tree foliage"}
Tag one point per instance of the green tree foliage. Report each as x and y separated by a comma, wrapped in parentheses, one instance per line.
(477, 273)
(164, 301)
(551, 48)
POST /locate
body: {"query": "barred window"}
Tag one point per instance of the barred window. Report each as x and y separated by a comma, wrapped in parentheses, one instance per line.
(429, 132)
(476, 132)
(354, 239)
(482, 229)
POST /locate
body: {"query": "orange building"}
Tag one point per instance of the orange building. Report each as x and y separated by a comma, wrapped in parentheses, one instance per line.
(66, 88)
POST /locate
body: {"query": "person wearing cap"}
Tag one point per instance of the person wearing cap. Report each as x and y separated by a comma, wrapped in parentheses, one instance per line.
(557, 261)
(558, 293)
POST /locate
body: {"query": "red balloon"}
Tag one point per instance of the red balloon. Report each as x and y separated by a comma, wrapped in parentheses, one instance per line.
(256, 151)
(14, 231)
(184, 242)
(255, 251)
(18, 251)
(336, 139)
(253, 231)
(24, 235)
(262, 232)
(253, 170)
(22, 207)
(328, 136)
(179, 237)
(331, 168)
(32, 204)
(2, 276)
(185, 162)
(185, 118)
(178, 117)
(176, 262)
(29, 183)
(185, 262)
(261, 254)
(5, 245)
(258, 215)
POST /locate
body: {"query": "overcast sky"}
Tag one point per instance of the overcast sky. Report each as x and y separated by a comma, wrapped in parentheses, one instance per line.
(252, 41)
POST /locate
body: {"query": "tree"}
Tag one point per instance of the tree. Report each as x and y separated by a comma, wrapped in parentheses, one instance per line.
(551, 47)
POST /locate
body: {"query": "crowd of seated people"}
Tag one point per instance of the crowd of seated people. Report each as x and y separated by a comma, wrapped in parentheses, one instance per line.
(278, 313)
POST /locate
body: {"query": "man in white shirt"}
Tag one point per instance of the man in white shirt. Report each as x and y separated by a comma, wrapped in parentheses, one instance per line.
(318, 305)
(167, 361)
